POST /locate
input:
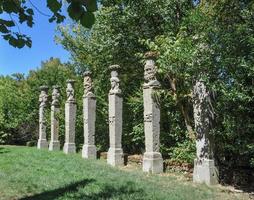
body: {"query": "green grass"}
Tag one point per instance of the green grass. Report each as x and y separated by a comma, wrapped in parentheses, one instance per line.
(28, 173)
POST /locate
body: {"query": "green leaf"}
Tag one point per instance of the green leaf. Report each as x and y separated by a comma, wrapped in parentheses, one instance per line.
(20, 43)
(10, 6)
(8, 23)
(30, 11)
(53, 18)
(22, 17)
(12, 41)
(28, 42)
(75, 11)
(87, 19)
(3, 29)
(30, 22)
(7, 36)
(59, 18)
(91, 5)
(54, 5)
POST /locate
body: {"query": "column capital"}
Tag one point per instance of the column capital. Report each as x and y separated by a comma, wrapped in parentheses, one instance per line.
(70, 91)
(55, 95)
(114, 80)
(150, 71)
(43, 98)
(88, 85)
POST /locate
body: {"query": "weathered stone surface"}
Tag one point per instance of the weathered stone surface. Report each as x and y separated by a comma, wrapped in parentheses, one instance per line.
(205, 170)
(42, 141)
(55, 111)
(152, 160)
(70, 119)
(89, 115)
(115, 153)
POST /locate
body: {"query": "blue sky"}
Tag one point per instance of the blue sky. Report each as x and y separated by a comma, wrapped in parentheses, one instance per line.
(13, 60)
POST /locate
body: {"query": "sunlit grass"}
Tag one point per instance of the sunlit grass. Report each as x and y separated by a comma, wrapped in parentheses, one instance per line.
(28, 173)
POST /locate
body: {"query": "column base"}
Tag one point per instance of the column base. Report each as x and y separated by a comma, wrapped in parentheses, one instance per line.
(153, 162)
(54, 146)
(69, 148)
(89, 151)
(42, 144)
(115, 157)
(205, 171)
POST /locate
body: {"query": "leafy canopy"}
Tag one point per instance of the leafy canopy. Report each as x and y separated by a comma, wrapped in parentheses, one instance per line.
(79, 10)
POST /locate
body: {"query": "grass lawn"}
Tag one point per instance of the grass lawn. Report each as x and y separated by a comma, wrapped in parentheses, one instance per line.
(28, 173)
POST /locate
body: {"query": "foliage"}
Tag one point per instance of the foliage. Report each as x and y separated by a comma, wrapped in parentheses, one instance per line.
(81, 11)
(208, 40)
(12, 109)
(215, 43)
(19, 101)
(183, 153)
(116, 39)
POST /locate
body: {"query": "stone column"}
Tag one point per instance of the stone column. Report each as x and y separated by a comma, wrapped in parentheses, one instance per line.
(115, 152)
(89, 114)
(205, 170)
(70, 119)
(152, 160)
(55, 111)
(42, 141)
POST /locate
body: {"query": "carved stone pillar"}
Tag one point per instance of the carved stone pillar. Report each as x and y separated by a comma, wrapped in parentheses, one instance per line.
(70, 119)
(115, 152)
(205, 170)
(42, 141)
(55, 111)
(152, 160)
(89, 114)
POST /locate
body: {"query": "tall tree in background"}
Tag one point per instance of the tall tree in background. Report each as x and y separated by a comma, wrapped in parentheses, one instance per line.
(215, 45)
(19, 101)
(117, 38)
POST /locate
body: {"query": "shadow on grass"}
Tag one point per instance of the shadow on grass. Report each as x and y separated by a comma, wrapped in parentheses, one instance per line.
(77, 191)
(53, 194)
(126, 191)
(3, 150)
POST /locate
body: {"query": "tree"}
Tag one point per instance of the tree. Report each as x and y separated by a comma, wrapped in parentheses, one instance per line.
(210, 41)
(117, 38)
(79, 10)
(19, 101)
(215, 44)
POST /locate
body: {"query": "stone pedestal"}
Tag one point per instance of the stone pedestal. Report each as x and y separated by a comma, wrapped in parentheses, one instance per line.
(89, 115)
(152, 160)
(205, 170)
(42, 141)
(70, 120)
(115, 152)
(54, 142)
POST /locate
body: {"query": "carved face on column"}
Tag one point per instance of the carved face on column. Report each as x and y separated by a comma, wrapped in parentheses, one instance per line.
(43, 96)
(150, 71)
(115, 85)
(88, 85)
(70, 91)
(114, 81)
(55, 96)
